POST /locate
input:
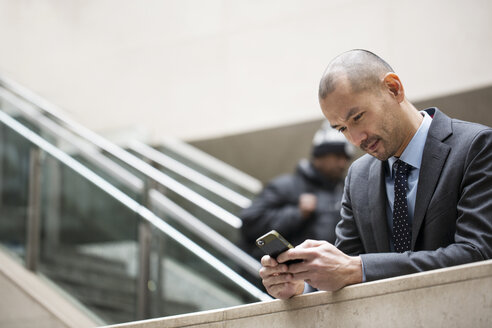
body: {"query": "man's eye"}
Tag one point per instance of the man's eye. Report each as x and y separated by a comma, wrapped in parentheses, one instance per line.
(342, 129)
(358, 117)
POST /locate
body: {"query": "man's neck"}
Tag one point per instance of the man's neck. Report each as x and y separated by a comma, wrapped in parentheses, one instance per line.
(414, 119)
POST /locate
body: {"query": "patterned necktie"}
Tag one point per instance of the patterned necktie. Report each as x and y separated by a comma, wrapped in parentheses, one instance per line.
(402, 232)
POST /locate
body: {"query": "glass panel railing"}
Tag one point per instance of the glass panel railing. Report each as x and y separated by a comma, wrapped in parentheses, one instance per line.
(89, 243)
(14, 187)
(219, 219)
(131, 182)
(134, 189)
(93, 246)
(113, 165)
(30, 116)
(96, 152)
(213, 235)
(204, 236)
(182, 282)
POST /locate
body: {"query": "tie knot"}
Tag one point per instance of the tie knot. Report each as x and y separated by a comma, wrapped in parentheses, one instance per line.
(401, 167)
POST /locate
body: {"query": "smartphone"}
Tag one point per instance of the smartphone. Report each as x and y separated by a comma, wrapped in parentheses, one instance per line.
(272, 243)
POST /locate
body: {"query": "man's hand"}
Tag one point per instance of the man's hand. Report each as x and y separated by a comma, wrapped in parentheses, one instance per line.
(323, 267)
(278, 282)
(307, 204)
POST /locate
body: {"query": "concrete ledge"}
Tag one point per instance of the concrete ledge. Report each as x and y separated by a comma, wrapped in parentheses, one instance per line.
(459, 296)
(29, 301)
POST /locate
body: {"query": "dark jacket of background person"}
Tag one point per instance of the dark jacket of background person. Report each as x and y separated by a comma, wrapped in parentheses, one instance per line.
(277, 206)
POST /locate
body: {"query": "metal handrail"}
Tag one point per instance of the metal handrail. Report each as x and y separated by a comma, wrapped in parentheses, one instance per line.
(192, 175)
(212, 164)
(208, 234)
(90, 152)
(135, 184)
(134, 206)
(147, 170)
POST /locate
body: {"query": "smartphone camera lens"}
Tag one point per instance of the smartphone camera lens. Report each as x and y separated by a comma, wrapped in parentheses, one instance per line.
(260, 242)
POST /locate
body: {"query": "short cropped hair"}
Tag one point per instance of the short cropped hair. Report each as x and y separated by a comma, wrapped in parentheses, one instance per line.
(362, 68)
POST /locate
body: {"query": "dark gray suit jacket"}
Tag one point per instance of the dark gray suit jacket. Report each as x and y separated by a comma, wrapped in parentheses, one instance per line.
(453, 211)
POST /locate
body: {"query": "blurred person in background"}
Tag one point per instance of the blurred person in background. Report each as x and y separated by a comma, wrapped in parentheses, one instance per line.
(305, 204)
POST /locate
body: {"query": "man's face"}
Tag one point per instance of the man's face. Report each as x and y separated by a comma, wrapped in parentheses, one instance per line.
(332, 166)
(370, 120)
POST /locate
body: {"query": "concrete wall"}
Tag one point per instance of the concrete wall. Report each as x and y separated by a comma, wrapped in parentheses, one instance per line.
(200, 69)
(454, 297)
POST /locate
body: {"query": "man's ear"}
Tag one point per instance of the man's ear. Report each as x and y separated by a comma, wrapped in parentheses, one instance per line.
(394, 86)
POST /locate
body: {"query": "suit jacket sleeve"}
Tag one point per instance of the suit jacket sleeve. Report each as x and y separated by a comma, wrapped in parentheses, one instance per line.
(348, 236)
(472, 240)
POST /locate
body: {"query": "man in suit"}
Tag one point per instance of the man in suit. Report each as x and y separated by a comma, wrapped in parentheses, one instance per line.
(421, 199)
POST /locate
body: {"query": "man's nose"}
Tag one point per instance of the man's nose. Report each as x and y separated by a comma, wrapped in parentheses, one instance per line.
(356, 137)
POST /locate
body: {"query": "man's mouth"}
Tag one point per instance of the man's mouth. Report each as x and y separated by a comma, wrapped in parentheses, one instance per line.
(374, 145)
(371, 145)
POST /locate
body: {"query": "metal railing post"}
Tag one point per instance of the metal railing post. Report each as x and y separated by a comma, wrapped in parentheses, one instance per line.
(158, 304)
(52, 205)
(144, 239)
(144, 243)
(34, 210)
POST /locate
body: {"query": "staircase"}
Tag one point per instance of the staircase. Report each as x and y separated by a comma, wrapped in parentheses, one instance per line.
(126, 239)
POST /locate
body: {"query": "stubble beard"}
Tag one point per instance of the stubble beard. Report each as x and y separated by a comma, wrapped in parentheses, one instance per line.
(389, 140)
(387, 153)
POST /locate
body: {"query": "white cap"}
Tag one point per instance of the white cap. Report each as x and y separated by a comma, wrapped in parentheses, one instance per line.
(328, 140)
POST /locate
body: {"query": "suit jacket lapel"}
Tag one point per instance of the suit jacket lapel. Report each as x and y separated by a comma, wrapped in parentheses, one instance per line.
(376, 194)
(433, 159)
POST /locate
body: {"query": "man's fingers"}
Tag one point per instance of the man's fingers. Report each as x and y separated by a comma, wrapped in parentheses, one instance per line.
(291, 254)
(286, 290)
(308, 243)
(277, 279)
(268, 261)
(294, 254)
(297, 268)
(267, 271)
(305, 251)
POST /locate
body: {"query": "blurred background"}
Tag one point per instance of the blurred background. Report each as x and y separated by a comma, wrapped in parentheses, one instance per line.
(210, 72)
(225, 82)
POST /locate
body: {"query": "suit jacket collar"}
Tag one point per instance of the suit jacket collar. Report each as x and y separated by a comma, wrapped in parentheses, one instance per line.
(433, 160)
(441, 127)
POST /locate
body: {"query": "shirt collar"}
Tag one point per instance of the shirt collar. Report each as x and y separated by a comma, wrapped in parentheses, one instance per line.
(415, 149)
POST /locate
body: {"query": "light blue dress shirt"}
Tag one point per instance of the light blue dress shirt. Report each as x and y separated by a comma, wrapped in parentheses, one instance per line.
(411, 155)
